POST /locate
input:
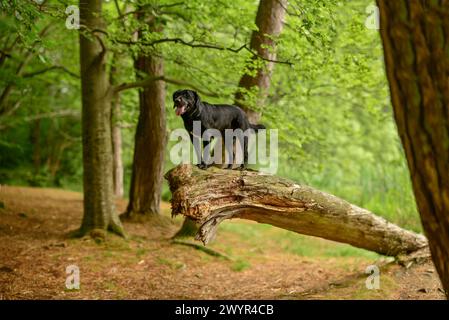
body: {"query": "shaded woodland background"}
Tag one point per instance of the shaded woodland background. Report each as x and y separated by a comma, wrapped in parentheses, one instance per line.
(336, 132)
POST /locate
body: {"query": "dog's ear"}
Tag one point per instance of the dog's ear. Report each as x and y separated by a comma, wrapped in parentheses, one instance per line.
(197, 97)
(176, 93)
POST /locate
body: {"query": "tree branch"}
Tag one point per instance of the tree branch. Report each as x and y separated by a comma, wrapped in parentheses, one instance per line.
(100, 40)
(170, 5)
(5, 54)
(29, 55)
(35, 73)
(146, 82)
(203, 45)
(153, 7)
(55, 114)
(119, 12)
(282, 203)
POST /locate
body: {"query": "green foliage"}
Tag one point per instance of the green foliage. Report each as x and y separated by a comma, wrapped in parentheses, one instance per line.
(332, 109)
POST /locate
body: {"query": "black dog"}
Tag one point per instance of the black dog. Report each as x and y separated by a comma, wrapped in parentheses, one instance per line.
(189, 106)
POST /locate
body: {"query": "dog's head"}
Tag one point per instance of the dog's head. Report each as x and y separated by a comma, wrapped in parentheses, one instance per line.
(185, 101)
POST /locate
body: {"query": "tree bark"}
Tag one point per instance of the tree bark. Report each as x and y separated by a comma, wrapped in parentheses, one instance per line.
(189, 228)
(117, 161)
(284, 204)
(117, 148)
(269, 21)
(150, 142)
(415, 35)
(99, 209)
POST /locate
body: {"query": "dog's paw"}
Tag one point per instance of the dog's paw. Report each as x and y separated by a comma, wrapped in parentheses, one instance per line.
(242, 167)
(202, 166)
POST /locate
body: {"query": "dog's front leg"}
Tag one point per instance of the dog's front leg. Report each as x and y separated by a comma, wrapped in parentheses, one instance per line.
(229, 147)
(196, 141)
(206, 155)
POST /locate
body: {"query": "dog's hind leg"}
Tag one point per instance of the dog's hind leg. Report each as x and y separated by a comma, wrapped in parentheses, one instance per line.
(229, 146)
(245, 153)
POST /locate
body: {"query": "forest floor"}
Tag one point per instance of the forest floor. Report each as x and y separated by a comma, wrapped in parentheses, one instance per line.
(266, 262)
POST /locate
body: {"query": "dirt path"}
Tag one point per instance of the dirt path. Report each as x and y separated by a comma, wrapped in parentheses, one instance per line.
(35, 252)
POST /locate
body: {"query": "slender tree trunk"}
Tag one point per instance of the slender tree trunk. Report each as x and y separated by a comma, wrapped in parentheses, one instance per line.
(415, 36)
(117, 148)
(35, 138)
(54, 160)
(150, 142)
(116, 137)
(269, 20)
(99, 209)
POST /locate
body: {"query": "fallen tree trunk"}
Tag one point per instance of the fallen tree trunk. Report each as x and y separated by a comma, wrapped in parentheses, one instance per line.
(211, 196)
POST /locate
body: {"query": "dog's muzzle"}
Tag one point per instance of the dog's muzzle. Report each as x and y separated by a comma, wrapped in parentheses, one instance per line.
(180, 110)
(180, 107)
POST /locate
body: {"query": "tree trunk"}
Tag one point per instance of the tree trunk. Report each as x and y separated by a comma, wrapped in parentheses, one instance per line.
(117, 148)
(54, 159)
(35, 139)
(117, 161)
(415, 40)
(269, 21)
(189, 228)
(150, 142)
(284, 204)
(99, 209)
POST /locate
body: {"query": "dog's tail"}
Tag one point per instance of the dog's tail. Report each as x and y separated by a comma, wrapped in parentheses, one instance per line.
(257, 127)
